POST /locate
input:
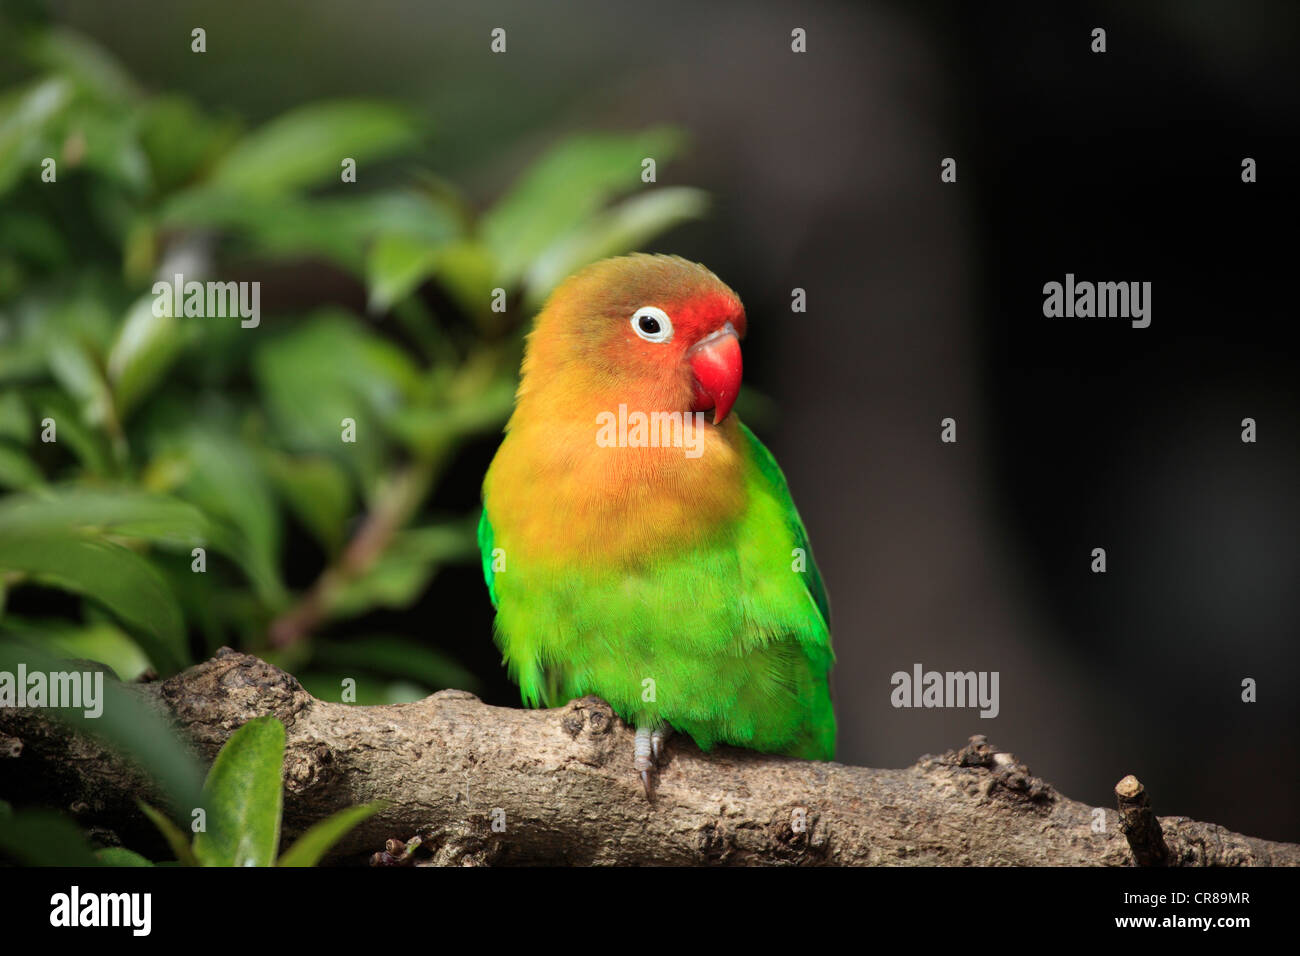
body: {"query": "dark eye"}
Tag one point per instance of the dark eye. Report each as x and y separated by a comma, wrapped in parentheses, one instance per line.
(652, 324)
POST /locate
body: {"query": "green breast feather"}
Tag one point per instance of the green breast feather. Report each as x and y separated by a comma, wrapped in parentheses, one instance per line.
(727, 641)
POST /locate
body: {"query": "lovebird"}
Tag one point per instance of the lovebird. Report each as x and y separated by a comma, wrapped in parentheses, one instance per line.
(638, 542)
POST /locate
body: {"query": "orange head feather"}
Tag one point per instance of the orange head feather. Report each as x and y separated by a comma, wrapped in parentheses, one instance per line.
(636, 330)
(649, 333)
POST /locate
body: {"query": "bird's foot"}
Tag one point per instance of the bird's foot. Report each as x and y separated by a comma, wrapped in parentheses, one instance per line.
(648, 751)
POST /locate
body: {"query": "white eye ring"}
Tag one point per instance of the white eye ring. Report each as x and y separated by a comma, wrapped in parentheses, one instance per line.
(656, 319)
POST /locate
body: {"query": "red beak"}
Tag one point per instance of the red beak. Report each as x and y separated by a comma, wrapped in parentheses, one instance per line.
(717, 367)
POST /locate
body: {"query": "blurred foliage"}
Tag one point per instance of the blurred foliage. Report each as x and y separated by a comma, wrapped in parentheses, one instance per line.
(241, 804)
(154, 466)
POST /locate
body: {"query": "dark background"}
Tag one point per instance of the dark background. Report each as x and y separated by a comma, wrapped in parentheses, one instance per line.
(925, 301)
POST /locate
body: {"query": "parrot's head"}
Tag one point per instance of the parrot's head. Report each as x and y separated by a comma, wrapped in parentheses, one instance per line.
(655, 332)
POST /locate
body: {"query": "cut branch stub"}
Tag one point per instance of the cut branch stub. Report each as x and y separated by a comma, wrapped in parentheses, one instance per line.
(1139, 825)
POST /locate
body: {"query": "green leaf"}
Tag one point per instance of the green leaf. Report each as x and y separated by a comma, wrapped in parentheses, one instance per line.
(123, 512)
(308, 849)
(404, 569)
(369, 692)
(172, 834)
(395, 657)
(317, 490)
(146, 345)
(395, 268)
(398, 263)
(90, 446)
(120, 856)
(226, 480)
(15, 418)
(73, 367)
(429, 430)
(307, 146)
(116, 577)
(615, 231)
(43, 838)
(564, 188)
(126, 723)
(328, 369)
(25, 118)
(466, 270)
(111, 148)
(101, 641)
(33, 239)
(79, 315)
(339, 228)
(242, 797)
(180, 140)
(23, 328)
(17, 471)
(95, 71)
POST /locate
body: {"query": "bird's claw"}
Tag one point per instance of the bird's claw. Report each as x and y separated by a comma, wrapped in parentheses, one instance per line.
(649, 750)
(657, 738)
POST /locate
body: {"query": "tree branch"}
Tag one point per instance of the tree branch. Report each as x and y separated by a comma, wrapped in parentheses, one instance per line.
(561, 782)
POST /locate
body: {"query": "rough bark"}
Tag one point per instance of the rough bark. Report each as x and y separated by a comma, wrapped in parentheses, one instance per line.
(561, 782)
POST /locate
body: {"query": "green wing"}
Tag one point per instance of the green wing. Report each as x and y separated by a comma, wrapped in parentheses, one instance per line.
(485, 547)
(772, 474)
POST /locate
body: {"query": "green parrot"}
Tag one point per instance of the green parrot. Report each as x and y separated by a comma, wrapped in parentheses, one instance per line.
(640, 550)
